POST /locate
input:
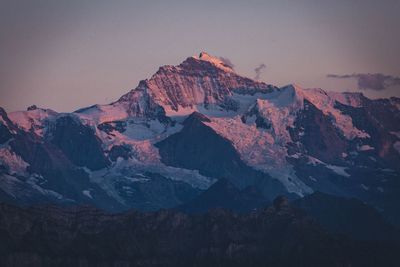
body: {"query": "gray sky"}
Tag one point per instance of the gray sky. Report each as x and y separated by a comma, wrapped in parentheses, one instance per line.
(69, 54)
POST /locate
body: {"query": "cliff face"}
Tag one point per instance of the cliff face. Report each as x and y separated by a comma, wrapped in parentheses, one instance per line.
(198, 81)
(277, 236)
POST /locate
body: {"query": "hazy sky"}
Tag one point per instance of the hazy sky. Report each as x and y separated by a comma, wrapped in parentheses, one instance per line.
(69, 54)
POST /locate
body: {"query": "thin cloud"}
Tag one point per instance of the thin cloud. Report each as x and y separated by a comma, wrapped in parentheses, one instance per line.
(227, 62)
(368, 81)
(258, 70)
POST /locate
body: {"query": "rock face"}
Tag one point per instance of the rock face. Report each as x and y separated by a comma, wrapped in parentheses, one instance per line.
(196, 81)
(50, 236)
(319, 137)
(190, 125)
(78, 142)
(380, 120)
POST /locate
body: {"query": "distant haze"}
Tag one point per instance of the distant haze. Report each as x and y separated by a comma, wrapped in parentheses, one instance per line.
(70, 54)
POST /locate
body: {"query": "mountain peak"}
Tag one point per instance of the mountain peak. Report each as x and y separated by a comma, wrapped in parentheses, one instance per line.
(202, 81)
(216, 61)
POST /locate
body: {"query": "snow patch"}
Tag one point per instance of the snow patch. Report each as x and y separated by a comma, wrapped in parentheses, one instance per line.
(312, 178)
(339, 170)
(363, 186)
(259, 149)
(314, 161)
(326, 103)
(16, 165)
(347, 98)
(103, 113)
(33, 120)
(133, 170)
(87, 193)
(289, 179)
(214, 60)
(33, 182)
(365, 148)
(17, 188)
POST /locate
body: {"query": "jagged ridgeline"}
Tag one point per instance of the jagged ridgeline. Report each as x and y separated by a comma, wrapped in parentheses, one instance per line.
(164, 143)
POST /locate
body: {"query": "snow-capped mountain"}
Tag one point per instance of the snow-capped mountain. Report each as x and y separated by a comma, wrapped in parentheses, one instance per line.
(174, 135)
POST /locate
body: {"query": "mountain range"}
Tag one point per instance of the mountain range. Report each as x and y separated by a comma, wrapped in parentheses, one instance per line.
(192, 130)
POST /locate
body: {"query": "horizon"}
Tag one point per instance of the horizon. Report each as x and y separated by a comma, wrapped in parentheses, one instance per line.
(362, 92)
(66, 55)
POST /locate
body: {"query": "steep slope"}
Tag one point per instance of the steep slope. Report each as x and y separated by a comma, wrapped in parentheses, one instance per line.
(198, 81)
(197, 146)
(78, 142)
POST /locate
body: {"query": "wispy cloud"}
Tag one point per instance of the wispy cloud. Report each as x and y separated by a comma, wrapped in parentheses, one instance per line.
(258, 70)
(371, 81)
(227, 62)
